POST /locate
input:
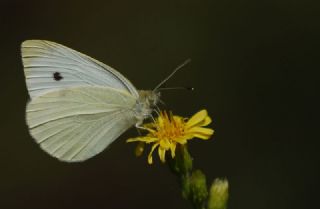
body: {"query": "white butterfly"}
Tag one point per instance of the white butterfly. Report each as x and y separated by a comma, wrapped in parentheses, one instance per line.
(78, 105)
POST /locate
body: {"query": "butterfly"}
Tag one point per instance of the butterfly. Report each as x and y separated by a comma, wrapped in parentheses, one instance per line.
(79, 105)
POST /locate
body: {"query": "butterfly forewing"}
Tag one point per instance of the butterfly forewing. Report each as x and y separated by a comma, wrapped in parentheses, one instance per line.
(50, 66)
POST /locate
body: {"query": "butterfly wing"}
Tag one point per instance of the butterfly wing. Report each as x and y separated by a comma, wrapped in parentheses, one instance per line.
(74, 124)
(49, 66)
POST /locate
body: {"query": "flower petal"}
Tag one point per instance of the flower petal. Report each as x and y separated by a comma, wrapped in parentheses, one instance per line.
(162, 154)
(200, 130)
(197, 118)
(150, 154)
(202, 136)
(165, 144)
(160, 120)
(183, 139)
(148, 125)
(178, 119)
(173, 150)
(145, 139)
(205, 122)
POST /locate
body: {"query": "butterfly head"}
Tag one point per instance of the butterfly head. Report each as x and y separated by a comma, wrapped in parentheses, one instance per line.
(146, 103)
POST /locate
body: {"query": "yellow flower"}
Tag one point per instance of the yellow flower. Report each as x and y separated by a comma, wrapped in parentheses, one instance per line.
(168, 130)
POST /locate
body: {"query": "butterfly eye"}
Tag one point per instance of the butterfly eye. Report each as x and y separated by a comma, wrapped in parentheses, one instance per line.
(57, 76)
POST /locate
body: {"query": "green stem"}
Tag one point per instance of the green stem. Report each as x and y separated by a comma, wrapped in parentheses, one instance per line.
(193, 182)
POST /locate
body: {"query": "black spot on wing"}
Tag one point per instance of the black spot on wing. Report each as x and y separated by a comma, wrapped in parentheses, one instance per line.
(57, 76)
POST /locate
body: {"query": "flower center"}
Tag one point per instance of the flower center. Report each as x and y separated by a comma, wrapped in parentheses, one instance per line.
(169, 127)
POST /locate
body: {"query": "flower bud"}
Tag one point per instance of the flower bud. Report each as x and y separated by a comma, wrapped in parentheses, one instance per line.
(198, 187)
(218, 194)
(139, 149)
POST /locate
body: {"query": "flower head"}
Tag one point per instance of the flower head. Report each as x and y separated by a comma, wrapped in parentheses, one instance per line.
(168, 130)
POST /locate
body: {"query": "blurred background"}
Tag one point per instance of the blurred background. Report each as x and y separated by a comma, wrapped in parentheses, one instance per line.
(254, 68)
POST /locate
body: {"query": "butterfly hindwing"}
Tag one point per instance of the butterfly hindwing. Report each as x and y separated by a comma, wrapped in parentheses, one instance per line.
(74, 124)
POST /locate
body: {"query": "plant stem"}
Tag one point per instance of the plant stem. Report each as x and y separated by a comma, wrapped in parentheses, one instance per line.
(193, 182)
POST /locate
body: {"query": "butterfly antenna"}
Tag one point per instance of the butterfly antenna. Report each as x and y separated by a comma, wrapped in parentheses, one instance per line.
(176, 88)
(171, 74)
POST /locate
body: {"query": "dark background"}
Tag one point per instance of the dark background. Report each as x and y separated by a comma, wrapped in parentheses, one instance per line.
(254, 68)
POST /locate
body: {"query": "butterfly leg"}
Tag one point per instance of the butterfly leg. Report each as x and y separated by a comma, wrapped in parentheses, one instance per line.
(139, 123)
(138, 130)
(157, 110)
(140, 127)
(151, 116)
